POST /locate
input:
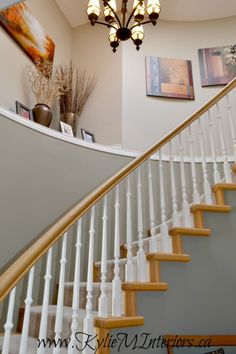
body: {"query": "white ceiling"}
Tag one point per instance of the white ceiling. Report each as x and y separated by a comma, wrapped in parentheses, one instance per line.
(173, 10)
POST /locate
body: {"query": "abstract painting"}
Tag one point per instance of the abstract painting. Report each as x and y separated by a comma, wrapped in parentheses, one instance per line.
(27, 32)
(215, 66)
(169, 78)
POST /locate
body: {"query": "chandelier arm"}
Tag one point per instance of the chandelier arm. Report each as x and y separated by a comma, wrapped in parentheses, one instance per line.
(105, 3)
(105, 24)
(142, 23)
(132, 13)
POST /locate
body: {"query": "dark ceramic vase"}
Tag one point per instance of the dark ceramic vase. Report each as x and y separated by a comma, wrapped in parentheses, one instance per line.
(42, 114)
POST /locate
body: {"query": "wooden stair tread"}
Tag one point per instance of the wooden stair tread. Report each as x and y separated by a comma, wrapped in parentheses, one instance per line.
(211, 208)
(118, 322)
(145, 286)
(234, 168)
(168, 257)
(185, 231)
(224, 186)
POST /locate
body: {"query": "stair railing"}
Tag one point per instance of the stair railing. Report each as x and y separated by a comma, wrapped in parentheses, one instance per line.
(187, 138)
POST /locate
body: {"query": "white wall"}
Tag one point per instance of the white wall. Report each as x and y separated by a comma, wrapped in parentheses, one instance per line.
(147, 119)
(13, 82)
(103, 113)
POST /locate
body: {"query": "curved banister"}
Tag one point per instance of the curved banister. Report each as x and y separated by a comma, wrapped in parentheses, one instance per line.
(23, 264)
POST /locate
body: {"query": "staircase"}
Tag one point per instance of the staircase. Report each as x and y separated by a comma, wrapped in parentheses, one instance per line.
(189, 188)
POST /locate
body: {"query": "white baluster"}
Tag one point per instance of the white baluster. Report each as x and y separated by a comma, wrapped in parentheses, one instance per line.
(88, 320)
(166, 245)
(76, 291)
(141, 257)
(60, 297)
(196, 195)
(175, 214)
(185, 204)
(103, 300)
(9, 323)
(227, 171)
(153, 242)
(206, 184)
(232, 125)
(46, 294)
(129, 267)
(216, 174)
(26, 322)
(116, 283)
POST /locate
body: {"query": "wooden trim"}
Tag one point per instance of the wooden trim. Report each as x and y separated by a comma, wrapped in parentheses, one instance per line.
(24, 263)
(155, 271)
(168, 257)
(155, 260)
(118, 322)
(103, 336)
(185, 231)
(177, 233)
(96, 273)
(199, 209)
(130, 303)
(219, 190)
(144, 286)
(234, 168)
(123, 251)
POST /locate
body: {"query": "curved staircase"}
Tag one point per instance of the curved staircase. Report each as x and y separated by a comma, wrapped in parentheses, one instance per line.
(107, 300)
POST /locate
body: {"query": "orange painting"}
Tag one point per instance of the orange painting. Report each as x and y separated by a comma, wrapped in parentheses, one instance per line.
(27, 32)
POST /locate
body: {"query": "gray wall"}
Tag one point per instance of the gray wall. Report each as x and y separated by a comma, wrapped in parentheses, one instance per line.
(41, 178)
(201, 295)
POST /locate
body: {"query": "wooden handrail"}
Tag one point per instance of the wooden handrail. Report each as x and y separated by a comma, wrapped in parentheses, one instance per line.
(23, 264)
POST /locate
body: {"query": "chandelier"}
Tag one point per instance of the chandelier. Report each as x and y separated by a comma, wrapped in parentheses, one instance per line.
(230, 54)
(127, 25)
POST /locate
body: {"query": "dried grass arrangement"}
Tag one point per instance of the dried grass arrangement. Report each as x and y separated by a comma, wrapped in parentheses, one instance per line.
(77, 87)
(45, 82)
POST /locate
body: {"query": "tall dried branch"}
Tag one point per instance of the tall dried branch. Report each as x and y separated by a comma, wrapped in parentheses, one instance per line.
(79, 85)
(45, 82)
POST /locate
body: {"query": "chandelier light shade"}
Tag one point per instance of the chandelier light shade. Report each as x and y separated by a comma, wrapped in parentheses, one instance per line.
(126, 25)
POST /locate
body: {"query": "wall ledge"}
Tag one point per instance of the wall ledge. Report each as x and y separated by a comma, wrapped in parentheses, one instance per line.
(92, 146)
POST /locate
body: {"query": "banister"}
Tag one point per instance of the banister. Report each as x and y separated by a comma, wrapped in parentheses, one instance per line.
(23, 264)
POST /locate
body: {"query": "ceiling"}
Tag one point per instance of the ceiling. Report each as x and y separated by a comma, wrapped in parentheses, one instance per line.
(172, 10)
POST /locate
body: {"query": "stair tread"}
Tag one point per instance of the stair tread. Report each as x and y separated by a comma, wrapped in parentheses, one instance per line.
(224, 186)
(186, 231)
(211, 208)
(32, 345)
(138, 286)
(169, 257)
(118, 322)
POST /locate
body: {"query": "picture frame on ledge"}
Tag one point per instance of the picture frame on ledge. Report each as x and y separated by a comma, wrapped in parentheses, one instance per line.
(66, 129)
(87, 136)
(24, 111)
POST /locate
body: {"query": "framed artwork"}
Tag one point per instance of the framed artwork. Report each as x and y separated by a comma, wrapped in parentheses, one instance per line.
(24, 111)
(170, 78)
(66, 129)
(216, 67)
(87, 136)
(27, 32)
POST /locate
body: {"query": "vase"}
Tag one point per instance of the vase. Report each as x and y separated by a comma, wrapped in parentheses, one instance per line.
(42, 114)
(71, 119)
